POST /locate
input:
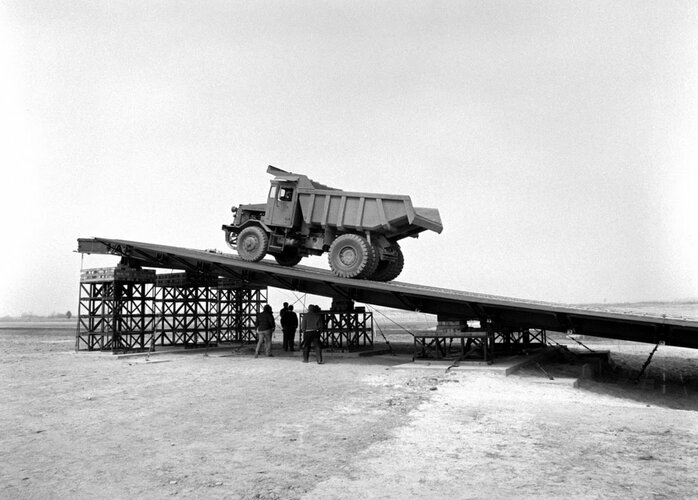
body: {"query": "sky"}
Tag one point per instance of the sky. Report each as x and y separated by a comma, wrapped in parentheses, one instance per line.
(558, 139)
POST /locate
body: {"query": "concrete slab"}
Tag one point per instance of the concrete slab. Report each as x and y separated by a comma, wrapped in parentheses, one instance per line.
(171, 351)
(564, 381)
(229, 350)
(147, 361)
(503, 366)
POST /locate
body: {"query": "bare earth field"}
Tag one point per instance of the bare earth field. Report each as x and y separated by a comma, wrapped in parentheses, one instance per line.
(226, 425)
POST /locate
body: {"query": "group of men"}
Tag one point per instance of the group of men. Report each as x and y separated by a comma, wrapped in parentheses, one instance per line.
(311, 327)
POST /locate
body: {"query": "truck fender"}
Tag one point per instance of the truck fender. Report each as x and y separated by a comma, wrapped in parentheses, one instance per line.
(251, 222)
(232, 231)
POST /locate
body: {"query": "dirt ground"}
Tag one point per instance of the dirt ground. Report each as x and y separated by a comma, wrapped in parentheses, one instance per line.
(226, 425)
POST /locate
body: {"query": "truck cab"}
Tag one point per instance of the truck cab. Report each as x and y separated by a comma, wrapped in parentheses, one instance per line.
(281, 204)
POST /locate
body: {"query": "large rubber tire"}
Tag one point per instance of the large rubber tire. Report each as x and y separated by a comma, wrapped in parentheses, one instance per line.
(351, 256)
(388, 270)
(288, 258)
(252, 243)
(372, 264)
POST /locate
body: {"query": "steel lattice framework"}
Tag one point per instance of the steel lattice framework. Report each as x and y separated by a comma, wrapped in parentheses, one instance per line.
(187, 306)
(238, 309)
(127, 309)
(346, 329)
(116, 309)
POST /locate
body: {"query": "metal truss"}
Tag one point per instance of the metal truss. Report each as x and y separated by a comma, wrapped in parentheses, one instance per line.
(237, 313)
(475, 338)
(346, 329)
(477, 345)
(460, 341)
(517, 340)
(116, 309)
(187, 316)
(122, 309)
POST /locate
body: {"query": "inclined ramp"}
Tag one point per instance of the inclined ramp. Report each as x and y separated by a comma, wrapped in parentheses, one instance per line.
(505, 312)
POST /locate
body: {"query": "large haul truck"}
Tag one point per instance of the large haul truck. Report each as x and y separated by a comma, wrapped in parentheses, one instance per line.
(360, 231)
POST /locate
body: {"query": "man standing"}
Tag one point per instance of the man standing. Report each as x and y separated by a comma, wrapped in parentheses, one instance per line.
(312, 327)
(265, 327)
(289, 323)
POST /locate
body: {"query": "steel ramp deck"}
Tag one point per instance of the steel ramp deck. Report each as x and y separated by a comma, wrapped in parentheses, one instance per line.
(505, 312)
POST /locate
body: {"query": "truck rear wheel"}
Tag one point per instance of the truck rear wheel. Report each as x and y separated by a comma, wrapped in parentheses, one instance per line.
(388, 270)
(372, 264)
(289, 257)
(252, 243)
(351, 256)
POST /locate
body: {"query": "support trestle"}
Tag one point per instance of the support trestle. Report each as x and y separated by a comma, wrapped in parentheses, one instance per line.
(345, 327)
(474, 339)
(116, 310)
(126, 309)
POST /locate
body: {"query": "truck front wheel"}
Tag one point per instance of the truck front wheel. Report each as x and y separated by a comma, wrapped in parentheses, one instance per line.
(351, 256)
(252, 244)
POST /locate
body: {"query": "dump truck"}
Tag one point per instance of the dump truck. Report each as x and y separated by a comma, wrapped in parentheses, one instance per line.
(301, 217)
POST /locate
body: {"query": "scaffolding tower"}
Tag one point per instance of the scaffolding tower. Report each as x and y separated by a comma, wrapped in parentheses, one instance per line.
(345, 326)
(116, 310)
(127, 309)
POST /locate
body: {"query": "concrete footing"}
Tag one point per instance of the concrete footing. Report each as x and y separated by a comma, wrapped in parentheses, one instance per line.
(587, 365)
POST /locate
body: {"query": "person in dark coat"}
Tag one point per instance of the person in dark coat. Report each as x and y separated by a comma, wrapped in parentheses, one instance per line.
(289, 323)
(265, 327)
(311, 328)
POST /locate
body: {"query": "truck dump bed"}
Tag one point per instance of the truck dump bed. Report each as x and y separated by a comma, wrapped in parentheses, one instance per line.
(392, 215)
